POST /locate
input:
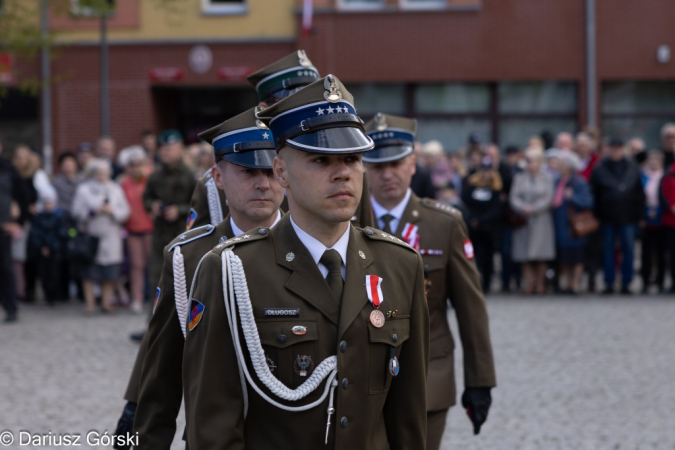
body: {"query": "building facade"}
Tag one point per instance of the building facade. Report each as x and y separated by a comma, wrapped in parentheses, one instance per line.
(505, 69)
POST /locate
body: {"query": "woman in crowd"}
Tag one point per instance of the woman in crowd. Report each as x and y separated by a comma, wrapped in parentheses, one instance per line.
(139, 226)
(534, 243)
(480, 194)
(101, 208)
(571, 193)
(653, 234)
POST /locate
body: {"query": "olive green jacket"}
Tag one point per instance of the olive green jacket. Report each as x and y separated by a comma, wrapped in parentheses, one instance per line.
(374, 410)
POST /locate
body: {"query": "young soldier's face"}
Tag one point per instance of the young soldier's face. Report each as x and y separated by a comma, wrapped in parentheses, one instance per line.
(252, 193)
(324, 187)
(389, 181)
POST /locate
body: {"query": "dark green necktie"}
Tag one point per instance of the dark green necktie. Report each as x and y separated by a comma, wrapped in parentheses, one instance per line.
(332, 260)
(387, 218)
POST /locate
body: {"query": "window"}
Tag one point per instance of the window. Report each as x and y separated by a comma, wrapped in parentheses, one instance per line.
(530, 108)
(457, 98)
(92, 8)
(360, 4)
(224, 6)
(370, 99)
(637, 109)
(423, 4)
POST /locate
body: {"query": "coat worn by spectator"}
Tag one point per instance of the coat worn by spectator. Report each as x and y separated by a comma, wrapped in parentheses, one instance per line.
(46, 243)
(618, 193)
(171, 185)
(582, 199)
(535, 240)
(667, 198)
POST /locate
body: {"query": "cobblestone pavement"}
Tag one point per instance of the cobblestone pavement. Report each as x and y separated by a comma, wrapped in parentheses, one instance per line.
(573, 373)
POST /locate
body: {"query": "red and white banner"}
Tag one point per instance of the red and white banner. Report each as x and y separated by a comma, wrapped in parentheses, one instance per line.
(374, 289)
(307, 12)
(6, 68)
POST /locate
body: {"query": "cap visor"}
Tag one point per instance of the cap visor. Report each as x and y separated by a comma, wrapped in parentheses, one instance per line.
(333, 140)
(387, 154)
(256, 159)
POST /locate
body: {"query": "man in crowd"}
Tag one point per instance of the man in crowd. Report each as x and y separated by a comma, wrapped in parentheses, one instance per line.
(438, 232)
(13, 211)
(314, 307)
(167, 198)
(619, 206)
(105, 149)
(254, 198)
(667, 146)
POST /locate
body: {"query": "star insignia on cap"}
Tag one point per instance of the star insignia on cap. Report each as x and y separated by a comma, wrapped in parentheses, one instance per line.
(319, 112)
(237, 239)
(330, 110)
(339, 109)
(266, 135)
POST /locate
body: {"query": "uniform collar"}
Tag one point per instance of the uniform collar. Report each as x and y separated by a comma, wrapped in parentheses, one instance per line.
(396, 211)
(237, 231)
(316, 248)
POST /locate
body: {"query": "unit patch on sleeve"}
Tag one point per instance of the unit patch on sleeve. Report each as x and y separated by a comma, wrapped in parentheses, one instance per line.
(196, 313)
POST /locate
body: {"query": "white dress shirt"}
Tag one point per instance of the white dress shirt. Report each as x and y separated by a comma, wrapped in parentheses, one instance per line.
(237, 231)
(316, 248)
(397, 211)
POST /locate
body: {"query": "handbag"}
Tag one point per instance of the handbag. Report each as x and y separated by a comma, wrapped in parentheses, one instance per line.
(582, 223)
(513, 219)
(81, 247)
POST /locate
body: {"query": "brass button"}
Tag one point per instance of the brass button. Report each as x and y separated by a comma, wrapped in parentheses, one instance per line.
(344, 422)
(281, 338)
(343, 346)
(345, 383)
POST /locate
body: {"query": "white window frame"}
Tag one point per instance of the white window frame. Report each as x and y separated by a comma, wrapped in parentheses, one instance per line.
(423, 5)
(215, 9)
(360, 6)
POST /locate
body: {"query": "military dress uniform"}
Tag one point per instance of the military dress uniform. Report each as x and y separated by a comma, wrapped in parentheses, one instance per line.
(155, 384)
(272, 83)
(171, 185)
(208, 204)
(439, 233)
(296, 339)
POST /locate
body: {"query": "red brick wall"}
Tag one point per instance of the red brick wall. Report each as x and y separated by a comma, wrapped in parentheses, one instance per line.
(76, 101)
(501, 40)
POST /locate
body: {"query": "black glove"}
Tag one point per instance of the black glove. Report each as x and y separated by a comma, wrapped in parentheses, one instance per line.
(125, 425)
(477, 402)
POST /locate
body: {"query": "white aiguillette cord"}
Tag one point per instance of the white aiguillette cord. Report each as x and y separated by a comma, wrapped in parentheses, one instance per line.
(234, 282)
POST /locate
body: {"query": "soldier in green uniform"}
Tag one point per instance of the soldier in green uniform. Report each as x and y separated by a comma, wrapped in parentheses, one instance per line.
(272, 83)
(155, 390)
(167, 197)
(288, 341)
(438, 232)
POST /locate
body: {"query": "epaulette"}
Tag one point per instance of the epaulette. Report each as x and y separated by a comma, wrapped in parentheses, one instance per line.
(255, 234)
(191, 235)
(379, 235)
(438, 206)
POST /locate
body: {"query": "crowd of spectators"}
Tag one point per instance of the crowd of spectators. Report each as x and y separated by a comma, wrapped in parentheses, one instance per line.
(518, 203)
(97, 193)
(521, 204)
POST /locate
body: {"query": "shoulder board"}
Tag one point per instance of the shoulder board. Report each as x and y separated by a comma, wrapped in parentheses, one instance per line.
(438, 206)
(379, 235)
(191, 235)
(255, 234)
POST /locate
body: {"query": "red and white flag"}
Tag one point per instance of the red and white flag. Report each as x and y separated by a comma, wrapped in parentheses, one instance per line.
(468, 249)
(410, 235)
(374, 289)
(307, 11)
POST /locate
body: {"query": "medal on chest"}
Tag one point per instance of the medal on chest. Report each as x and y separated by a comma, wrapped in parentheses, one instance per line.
(375, 297)
(411, 236)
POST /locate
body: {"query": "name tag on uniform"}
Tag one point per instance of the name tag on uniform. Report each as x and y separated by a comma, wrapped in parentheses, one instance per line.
(281, 312)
